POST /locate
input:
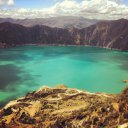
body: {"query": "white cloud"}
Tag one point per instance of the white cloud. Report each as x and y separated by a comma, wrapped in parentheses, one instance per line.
(10, 2)
(97, 9)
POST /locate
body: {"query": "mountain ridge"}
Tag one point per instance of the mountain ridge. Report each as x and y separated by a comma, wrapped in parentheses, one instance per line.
(59, 22)
(107, 34)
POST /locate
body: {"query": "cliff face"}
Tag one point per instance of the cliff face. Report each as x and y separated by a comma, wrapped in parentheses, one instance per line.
(109, 34)
(112, 34)
(62, 107)
(47, 35)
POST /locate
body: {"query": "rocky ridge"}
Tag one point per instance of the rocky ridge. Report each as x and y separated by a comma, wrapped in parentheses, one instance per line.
(62, 107)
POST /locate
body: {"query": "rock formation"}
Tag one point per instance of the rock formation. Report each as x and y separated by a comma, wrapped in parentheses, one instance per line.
(108, 34)
(63, 107)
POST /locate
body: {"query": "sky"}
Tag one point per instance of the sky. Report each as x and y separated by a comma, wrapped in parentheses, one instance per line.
(92, 9)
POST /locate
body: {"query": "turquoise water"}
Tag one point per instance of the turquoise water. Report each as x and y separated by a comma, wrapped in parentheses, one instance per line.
(23, 69)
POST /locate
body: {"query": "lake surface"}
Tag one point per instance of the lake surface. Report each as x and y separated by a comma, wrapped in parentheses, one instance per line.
(26, 68)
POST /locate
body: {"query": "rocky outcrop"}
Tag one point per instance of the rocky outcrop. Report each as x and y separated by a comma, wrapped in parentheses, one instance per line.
(63, 107)
(107, 34)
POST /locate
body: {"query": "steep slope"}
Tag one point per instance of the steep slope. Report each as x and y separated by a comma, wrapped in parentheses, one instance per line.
(14, 34)
(59, 22)
(62, 107)
(112, 34)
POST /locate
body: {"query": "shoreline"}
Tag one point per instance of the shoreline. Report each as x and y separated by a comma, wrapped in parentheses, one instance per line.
(64, 45)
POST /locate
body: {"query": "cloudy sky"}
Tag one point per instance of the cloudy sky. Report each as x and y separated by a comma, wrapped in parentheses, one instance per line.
(93, 9)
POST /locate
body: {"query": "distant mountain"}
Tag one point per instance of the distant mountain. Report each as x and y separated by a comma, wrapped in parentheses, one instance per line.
(108, 34)
(59, 22)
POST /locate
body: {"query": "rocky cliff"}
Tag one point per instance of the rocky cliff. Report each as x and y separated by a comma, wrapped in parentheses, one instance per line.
(63, 107)
(108, 34)
(112, 34)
